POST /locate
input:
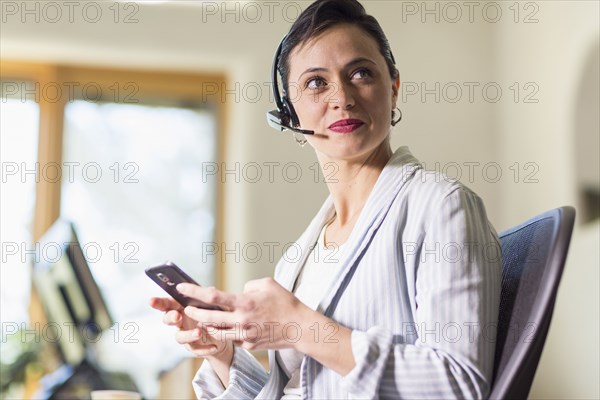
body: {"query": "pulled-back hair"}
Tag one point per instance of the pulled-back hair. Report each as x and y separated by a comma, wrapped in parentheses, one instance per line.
(324, 14)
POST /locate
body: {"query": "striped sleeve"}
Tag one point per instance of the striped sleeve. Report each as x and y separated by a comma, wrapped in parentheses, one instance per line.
(246, 379)
(458, 267)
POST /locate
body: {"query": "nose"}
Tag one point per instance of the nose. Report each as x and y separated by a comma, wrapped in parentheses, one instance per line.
(343, 96)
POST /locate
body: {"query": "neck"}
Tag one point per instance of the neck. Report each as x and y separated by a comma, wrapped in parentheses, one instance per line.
(353, 181)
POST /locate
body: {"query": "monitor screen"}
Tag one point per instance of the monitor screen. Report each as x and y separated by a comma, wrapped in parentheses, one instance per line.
(73, 303)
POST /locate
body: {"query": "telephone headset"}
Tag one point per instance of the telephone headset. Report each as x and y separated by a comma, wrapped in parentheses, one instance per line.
(285, 117)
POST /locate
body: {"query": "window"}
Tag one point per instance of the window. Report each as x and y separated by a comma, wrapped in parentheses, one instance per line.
(139, 198)
(121, 155)
(19, 124)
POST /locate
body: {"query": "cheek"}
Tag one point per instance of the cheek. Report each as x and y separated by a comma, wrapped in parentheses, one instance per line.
(308, 110)
(380, 106)
(384, 96)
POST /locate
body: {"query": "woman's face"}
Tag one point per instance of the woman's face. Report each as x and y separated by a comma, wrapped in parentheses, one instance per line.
(340, 87)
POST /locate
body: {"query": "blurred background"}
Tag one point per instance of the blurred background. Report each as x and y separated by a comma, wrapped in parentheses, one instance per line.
(143, 123)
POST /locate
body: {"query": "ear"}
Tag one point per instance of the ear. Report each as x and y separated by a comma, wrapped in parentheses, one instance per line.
(395, 90)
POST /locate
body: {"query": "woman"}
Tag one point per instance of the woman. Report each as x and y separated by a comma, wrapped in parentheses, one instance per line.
(396, 292)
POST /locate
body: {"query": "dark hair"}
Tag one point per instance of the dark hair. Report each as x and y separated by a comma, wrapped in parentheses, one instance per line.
(324, 14)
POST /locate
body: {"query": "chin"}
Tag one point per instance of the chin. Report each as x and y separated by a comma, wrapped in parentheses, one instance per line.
(348, 152)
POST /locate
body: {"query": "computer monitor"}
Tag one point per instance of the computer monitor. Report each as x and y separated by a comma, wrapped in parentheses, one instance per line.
(76, 312)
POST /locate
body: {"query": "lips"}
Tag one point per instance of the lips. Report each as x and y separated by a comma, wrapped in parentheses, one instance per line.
(346, 125)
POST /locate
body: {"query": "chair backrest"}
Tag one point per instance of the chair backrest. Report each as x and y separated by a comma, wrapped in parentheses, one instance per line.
(534, 256)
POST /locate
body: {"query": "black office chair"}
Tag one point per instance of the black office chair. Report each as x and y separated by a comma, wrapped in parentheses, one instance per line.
(534, 256)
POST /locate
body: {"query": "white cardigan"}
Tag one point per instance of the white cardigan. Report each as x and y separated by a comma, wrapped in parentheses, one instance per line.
(419, 285)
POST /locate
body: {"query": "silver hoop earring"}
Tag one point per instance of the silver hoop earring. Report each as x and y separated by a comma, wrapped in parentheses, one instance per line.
(398, 118)
(301, 142)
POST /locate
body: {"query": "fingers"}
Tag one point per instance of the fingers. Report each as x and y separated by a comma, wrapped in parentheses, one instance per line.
(187, 337)
(199, 342)
(196, 343)
(236, 335)
(173, 318)
(240, 337)
(165, 304)
(221, 319)
(208, 295)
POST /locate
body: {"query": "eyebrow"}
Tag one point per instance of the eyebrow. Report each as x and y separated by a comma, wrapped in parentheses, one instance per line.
(355, 61)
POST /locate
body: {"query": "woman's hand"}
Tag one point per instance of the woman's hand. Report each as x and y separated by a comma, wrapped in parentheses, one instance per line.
(264, 316)
(268, 316)
(191, 333)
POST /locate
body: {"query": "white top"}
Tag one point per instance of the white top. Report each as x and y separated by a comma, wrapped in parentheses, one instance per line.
(419, 286)
(314, 279)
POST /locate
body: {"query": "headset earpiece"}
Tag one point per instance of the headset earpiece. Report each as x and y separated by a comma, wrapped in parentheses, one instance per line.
(284, 117)
(290, 112)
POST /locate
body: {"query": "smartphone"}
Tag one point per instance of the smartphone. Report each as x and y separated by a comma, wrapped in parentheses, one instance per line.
(168, 276)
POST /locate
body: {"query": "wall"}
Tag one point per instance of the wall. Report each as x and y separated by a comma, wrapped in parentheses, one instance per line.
(556, 53)
(488, 133)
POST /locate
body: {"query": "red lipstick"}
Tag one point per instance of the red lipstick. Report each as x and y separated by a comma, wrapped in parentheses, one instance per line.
(346, 125)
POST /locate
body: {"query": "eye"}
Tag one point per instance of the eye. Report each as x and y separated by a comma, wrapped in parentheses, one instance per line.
(362, 73)
(315, 83)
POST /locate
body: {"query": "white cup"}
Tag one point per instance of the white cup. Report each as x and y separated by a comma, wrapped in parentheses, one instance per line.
(115, 395)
